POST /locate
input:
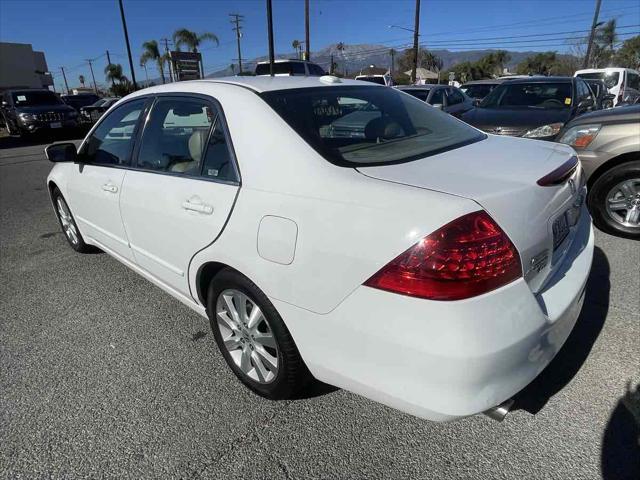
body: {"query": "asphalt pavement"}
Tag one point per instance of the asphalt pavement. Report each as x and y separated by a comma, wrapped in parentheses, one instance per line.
(103, 375)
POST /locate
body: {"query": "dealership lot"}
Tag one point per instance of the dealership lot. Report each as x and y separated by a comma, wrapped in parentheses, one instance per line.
(103, 374)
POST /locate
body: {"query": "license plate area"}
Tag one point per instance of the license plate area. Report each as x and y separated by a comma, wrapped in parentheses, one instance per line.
(55, 125)
(560, 229)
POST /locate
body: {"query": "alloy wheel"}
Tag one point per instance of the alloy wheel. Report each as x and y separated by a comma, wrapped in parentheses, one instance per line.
(68, 225)
(247, 336)
(623, 203)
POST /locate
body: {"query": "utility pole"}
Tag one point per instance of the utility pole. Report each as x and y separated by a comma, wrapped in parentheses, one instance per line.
(393, 60)
(95, 86)
(416, 26)
(592, 34)
(270, 31)
(166, 50)
(65, 80)
(331, 65)
(236, 19)
(126, 38)
(307, 48)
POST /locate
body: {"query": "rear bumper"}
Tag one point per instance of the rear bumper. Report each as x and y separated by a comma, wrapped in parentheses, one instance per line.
(444, 360)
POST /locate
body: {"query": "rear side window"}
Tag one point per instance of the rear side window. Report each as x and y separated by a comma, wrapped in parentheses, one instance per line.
(112, 140)
(315, 70)
(438, 97)
(218, 162)
(367, 125)
(298, 68)
(175, 136)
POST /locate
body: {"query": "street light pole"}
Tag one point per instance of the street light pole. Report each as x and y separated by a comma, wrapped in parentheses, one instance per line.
(592, 34)
(65, 80)
(126, 38)
(414, 67)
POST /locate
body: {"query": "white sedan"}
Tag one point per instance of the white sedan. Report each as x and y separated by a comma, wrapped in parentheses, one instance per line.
(340, 230)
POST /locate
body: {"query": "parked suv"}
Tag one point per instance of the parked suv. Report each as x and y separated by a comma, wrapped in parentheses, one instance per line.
(608, 144)
(284, 67)
(31, 111)
(80, 100)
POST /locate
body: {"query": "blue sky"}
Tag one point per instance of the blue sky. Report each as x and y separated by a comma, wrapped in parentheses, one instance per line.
(69, 31)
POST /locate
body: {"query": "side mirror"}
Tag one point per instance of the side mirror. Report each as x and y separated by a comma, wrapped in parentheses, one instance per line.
(439, 106)
(61, 152)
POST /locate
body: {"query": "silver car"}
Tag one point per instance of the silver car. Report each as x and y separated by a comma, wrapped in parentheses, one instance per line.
(608, 144)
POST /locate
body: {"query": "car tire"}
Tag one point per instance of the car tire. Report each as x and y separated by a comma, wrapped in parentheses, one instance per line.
(608, 191)
(68, 224)
(239, 348)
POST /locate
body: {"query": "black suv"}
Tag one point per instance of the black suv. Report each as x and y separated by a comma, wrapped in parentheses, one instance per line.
(31, 111)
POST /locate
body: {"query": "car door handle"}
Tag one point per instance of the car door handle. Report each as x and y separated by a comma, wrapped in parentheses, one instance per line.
(109, 187)
(198, 207)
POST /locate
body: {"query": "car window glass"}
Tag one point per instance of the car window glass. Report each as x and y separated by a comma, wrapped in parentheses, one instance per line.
(315, 69)
(454, 97)
(438, 97)
(175, 136)
(218, 162)
(111, 141)
(634, 81)
(419, 94)
(298, 68)
(530, 95)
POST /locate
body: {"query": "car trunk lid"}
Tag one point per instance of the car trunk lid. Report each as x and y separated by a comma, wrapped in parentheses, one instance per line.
(501, 175)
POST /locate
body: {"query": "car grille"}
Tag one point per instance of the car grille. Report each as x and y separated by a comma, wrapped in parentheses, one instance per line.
(511, 131)
(50, 116)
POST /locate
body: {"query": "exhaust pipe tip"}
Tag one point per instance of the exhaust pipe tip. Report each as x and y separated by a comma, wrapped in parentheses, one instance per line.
(499, 412)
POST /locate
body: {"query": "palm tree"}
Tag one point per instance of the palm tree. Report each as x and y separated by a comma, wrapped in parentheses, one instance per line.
(192, 41)
(81, 78)
(113, 72)
(297, 46)
(152, 52)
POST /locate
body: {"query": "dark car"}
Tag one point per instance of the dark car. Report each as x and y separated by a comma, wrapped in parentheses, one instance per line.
(533, 107)
(604, 99)
(608, 144)
(31, 111)
(80, 100)
(93, 112)
(449, 99)
(478, 89)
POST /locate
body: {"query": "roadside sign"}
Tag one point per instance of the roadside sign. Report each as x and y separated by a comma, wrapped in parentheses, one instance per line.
(186, 65)
(452, 76)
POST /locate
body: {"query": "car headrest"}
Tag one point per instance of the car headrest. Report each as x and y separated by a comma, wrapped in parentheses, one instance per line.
(196, 144)
(382, 127)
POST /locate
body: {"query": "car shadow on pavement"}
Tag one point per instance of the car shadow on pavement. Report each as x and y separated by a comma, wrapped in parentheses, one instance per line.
(576, 349)
(40, 139)
(620, 456)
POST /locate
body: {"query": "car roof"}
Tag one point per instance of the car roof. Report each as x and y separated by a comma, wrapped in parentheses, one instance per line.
(427, 86)
(266, 83)
(284, 60)
(488, 81)
(539, 79)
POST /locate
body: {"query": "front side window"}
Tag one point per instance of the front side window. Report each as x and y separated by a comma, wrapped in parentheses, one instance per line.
(633, 80)
(368, 125)
(479, 90)
(297, 68)
(175, 135)
(530, 95)
(438, 97)
(112, 140)
(454, 97)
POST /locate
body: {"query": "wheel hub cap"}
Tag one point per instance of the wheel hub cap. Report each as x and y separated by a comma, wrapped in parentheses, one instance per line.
(247, 336)
(623, 203)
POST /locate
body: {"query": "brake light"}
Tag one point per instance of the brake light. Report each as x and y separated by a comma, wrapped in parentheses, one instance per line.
(467, 257)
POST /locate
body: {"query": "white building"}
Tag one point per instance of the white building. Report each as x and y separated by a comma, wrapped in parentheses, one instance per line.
(22, 67)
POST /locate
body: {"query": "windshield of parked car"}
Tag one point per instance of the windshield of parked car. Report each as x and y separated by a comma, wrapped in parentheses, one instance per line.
(421, 94)
(610, 78)
(529, 95)
(355, 126)
(378, 80)
(35, 98)
(480, 90)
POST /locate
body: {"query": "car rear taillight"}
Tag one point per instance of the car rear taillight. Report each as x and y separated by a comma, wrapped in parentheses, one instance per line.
(467, 257)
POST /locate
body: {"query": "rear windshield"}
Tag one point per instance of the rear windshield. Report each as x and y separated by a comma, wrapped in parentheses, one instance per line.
(477, 91)
(610, 79)
(357, 126)
(529, 95)
(419, 94)
(32, 99)
(378, 80)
